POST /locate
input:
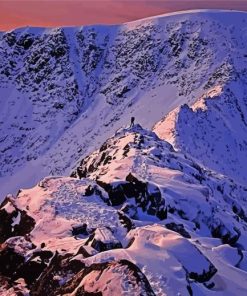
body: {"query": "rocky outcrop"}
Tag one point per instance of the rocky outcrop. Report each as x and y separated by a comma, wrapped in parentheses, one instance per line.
(19, 258)
(13, 222)
(102, 239)
(147, 195)
(105, 279)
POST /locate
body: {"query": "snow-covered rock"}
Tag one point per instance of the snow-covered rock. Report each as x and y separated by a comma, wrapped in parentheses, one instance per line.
(139, 215)
(213, 129)
(106, 222)
(63, 91)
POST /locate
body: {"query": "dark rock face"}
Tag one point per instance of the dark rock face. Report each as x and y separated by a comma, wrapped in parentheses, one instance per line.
(147, 195)
(8, 228)
(227, 236)
(15, 265)
(126, 221)
(55, 280)
(103, 240)
(115, 193)
(80, 230)
(10, 261)
(52, 277)
(179, 228)
(205, 276)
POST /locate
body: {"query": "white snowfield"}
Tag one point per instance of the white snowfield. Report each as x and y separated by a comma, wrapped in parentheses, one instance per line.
(63, 91)
(156, 209)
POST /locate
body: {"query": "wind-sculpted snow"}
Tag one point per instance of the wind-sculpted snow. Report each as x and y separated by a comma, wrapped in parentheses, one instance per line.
(135, 218)
(63, 91)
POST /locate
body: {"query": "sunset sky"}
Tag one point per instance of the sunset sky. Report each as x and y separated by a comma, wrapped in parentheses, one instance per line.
(18, 13)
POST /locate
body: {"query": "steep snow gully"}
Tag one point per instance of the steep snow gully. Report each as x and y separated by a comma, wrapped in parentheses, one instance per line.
(156, 209)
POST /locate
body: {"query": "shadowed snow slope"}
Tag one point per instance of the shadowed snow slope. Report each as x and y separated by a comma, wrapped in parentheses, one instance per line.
(213, 130)
(136, 218)
(63, 91)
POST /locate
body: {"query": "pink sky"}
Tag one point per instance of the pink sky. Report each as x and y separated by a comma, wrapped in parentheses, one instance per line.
(17, 13)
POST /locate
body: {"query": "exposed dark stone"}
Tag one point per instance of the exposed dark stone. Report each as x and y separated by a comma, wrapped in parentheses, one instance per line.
(58, 105)
(205, 276)
(115, 193)
(51, 279)
(179, 228)
(147, 195)
(13, 263)
(102, 240)
(58, 52)
(10, 261)
(83, 252)
(80, 229)
(25, 41)
(30, 271)
(225, 235)
(25, 225)
(10, 38)
(130, 210)
(239, 212)
(125, 221)
(49, 284)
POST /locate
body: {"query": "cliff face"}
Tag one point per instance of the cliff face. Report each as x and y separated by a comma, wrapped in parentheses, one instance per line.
(64, 91)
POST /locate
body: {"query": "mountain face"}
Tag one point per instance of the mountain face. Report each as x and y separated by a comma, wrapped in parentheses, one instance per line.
(135, 218)
(159, 208)
(63, 91)
(213, 130)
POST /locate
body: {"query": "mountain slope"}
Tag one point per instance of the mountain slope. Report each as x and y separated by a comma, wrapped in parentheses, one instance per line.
(64, 91)
(138, 219)
(213, 129)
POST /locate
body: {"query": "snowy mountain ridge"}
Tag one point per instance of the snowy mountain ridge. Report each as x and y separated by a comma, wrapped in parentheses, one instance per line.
(136, 215)
(159, 208)
(213, 129)
(68, 85)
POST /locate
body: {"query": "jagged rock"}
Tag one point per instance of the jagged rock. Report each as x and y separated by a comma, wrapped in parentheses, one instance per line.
(125, 220)
(80, 230)
(227, 236)
(115, 193)
(147, 196)
(130, 210)
(179, 228)
(105, 279)
(103, 239)
(60, 270)
(13, 222)
(18, 259)
(10, 260)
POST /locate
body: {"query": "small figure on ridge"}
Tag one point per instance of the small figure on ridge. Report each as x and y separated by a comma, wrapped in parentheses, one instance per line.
(132, 122)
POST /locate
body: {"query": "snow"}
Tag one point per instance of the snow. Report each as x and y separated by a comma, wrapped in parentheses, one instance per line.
(48, 125)
(217, 122)
(182, 74)
(59, 205)
(187, 188)
(16, 220)
(198, 201)
(9, 208)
